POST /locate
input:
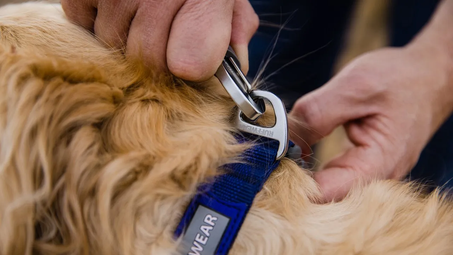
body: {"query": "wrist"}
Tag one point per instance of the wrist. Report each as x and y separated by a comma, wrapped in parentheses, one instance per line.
(434, 46)
(437, 85)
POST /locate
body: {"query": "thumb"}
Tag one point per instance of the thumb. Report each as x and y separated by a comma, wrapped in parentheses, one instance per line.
(199, 38)
(357, 166)
(245, 24)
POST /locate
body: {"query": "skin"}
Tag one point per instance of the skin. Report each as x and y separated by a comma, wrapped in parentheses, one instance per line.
(390, 101)
(189, 38)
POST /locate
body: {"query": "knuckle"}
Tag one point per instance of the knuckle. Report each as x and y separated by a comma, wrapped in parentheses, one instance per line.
(254, 22)
(308, 111)
(188, 70)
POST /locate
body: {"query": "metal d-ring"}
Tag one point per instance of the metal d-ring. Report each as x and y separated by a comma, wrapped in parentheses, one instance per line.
(279, 131)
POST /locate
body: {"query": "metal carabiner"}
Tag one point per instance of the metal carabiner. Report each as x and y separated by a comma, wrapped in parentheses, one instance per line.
(238, 87)
(251, 104)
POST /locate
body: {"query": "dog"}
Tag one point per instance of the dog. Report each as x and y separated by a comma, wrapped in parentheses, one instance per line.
(99, 155)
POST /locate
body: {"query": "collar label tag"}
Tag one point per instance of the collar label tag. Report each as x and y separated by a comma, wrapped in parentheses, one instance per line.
(203, 235)
(214, 216)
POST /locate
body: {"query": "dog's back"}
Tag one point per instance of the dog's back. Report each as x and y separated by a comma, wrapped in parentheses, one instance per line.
(100, 156)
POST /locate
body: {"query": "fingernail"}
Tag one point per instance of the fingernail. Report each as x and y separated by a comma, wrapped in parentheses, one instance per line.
(242, 52)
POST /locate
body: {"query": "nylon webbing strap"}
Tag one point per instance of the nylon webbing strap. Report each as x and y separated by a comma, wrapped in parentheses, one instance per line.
(214, 216)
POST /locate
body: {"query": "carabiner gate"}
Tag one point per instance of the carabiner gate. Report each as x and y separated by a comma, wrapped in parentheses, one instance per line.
(251, 103)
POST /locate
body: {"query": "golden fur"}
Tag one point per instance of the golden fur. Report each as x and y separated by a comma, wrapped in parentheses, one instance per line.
(99, 156)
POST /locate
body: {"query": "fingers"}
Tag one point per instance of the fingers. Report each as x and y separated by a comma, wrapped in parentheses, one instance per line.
(346, 99)
(318, 113)
(113, 20)
(81, 12)
(199, 38)
(108, 19)
(149, 32)
(245, 24)
(356, 167)
(335, 183)
(190, 37)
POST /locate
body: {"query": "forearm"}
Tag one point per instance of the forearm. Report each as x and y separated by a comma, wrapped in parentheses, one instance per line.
(435, 43)
(440, 29)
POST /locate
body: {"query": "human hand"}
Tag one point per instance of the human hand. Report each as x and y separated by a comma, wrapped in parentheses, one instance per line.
(187, 37)
(390, 102)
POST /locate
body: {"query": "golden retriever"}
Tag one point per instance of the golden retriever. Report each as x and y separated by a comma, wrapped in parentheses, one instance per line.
(100, 156)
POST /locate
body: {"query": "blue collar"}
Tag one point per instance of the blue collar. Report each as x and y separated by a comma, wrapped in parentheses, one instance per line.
(214, 216)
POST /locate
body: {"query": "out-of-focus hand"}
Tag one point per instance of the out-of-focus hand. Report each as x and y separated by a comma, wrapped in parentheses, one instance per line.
(187, 37)
(390, 102)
